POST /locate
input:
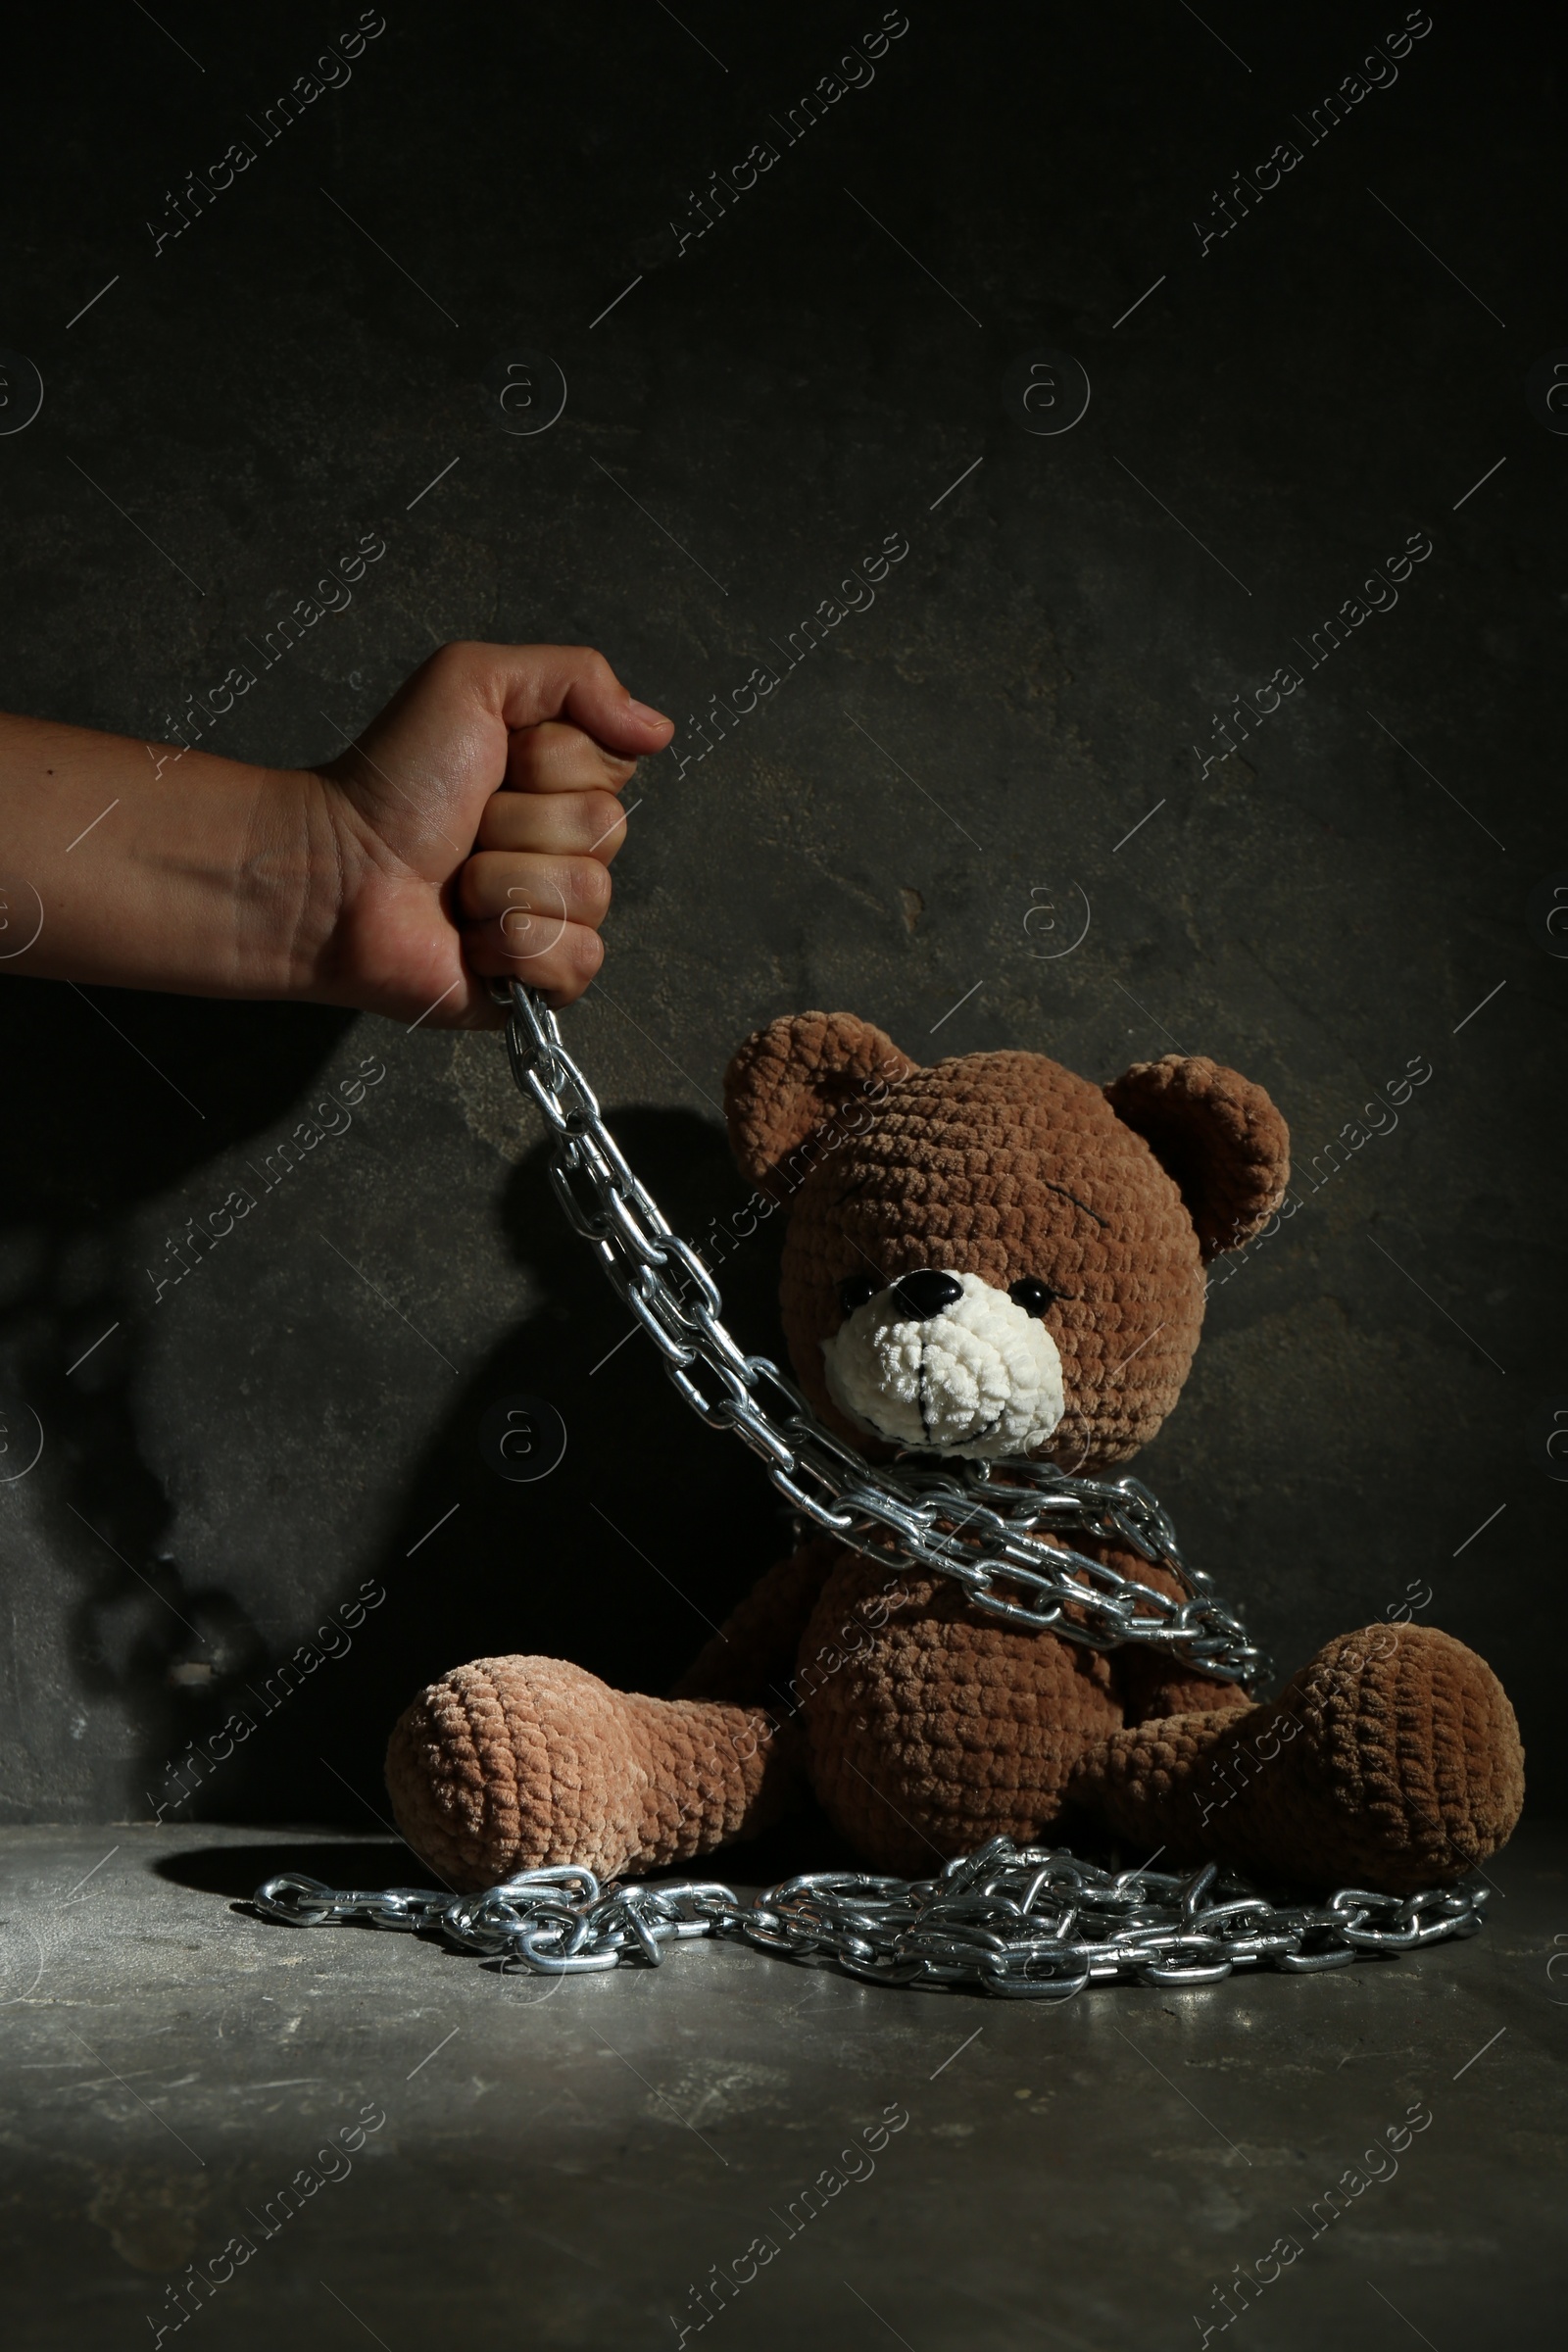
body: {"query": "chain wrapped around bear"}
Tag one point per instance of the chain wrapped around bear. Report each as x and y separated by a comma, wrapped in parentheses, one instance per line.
(979, 1532)
(1012, 1680)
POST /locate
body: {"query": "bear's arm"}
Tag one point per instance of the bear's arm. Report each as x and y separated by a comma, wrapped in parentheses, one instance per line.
(750, 1658)
(1153, 1684)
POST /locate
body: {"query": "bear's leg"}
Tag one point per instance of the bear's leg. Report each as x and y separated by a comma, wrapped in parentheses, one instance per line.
(930, 1727)
(514, 1763)
(1391, 1761)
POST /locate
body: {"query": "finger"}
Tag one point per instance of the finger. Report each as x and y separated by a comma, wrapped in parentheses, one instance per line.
(533, 896)
(527, 683)
(561, 824)
(521, 685)
(562, 964)
(555, 757)
(423, 770)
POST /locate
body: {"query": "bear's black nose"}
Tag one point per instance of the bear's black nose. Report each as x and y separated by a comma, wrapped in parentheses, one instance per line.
(925, 1294)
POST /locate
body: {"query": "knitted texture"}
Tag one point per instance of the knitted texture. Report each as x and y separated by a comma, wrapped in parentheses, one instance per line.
(1218, 1135)
(1392, 1760)
(792, 1076)
(514, 1763)
(1006, 1166)
(945, 1729)
(922, 1725)
(940, 1726)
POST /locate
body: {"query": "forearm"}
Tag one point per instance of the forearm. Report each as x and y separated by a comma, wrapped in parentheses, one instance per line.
(159, 868)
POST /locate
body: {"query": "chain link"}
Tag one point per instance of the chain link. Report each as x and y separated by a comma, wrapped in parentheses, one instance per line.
(1028, 1922)
(984, 1527)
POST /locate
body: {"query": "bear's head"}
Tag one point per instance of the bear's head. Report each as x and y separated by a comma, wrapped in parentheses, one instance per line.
(994, 1256)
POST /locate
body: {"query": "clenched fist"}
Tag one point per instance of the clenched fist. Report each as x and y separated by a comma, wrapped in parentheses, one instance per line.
(478, 819)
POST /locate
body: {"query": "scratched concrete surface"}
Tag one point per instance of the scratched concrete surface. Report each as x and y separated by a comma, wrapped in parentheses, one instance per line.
(564, 2164)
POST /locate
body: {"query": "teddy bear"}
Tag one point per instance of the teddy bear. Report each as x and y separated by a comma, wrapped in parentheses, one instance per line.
(987, 1260)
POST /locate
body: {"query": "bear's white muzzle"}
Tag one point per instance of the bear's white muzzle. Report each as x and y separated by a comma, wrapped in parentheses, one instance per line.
(979, 1377)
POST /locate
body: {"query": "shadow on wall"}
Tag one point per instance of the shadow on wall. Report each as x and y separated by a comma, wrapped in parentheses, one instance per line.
(622, 1558)
(102, 1122)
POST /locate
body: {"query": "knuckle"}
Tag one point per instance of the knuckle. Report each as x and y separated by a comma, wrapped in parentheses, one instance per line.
(451, 659)
(593, 887)
(582, 951)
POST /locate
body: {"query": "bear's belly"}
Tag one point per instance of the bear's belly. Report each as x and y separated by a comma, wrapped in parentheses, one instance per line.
(931, 1726)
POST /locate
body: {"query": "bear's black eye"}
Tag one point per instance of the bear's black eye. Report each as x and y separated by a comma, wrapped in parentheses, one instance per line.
(1034, 1296)
(857, 1290)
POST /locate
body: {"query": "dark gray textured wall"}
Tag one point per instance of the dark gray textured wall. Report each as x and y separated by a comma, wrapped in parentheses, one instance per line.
(912, 825)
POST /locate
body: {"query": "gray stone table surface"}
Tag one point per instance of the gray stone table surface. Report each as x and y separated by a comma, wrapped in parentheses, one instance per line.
(507, 2161)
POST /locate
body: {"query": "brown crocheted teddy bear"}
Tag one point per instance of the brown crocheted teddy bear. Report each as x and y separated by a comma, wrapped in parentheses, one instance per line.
(991, 1257)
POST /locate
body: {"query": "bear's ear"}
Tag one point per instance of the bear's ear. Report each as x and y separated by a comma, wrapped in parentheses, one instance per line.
(794, 1075)
(1217, 1134)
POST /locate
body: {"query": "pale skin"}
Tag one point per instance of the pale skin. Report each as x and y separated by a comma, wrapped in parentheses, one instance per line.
(466, 836)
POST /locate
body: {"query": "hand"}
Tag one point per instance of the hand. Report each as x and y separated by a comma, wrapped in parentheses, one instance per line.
(473, 828)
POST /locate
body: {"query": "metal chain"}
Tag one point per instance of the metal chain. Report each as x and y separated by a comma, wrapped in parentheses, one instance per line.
(984, 1527)
(1025, 1922)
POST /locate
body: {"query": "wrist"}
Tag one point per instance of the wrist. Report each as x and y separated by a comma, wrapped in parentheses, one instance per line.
(231, 883)
(275, 872)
